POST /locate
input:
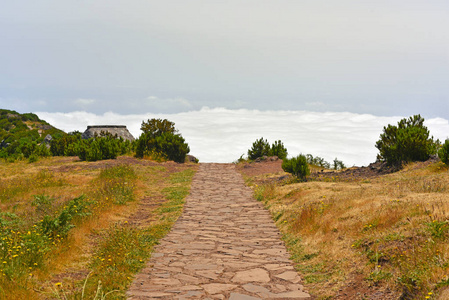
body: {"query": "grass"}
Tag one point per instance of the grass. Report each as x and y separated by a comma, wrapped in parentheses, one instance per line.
(388, 233)
(68, 229)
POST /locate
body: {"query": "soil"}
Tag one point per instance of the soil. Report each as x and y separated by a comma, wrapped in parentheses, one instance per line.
(270, 169)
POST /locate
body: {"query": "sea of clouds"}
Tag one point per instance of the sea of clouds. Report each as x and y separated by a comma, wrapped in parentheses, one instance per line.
(223, 135)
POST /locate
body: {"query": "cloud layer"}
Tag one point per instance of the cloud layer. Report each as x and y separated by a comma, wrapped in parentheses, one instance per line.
(223, 135)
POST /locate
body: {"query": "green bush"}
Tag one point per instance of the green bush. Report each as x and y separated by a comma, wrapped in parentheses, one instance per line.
(297, 166)
(100, 148)
(160, 140)
(261, 148)
(64, 145)
(60, 225)
(317, 161)
(443, 153)
(409, 141)
(338, 164)
(33, 158)
(278, 149)
(156, 127)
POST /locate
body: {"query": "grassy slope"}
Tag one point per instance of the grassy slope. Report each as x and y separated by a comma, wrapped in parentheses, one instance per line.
(111, 239)
(15, 126)
(386, 236)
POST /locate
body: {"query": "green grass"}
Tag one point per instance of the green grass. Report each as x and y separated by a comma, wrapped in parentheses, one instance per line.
(125, 250)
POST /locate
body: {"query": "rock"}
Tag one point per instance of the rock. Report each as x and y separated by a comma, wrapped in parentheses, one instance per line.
(235, 296)
(254, 275)
(192, 159)
(48, 139)
(216, 288)
(260, 290)
(289, 276)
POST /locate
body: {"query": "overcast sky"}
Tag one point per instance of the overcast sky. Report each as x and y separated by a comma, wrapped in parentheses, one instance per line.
(383, 57)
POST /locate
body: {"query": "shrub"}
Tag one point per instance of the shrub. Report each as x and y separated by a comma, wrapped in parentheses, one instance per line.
(63, 145)
(60, 225)
(409, 141)
(338, 164)
(173, 146)
(443, 153)
(320, 162)
(33, 158)
(160, 140)
(156, 127)
(102, 147)
(260, 148)
(297, 166)
(278, 149)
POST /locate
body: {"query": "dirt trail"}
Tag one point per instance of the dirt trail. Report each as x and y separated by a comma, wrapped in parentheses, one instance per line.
(224, 246)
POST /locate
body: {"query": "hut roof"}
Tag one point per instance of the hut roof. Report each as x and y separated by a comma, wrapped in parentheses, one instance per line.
(119, 130)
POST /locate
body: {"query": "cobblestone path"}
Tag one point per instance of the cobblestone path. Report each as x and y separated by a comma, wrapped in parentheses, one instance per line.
(224, 246)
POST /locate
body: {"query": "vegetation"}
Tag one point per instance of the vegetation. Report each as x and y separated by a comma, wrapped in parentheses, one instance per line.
(100, 147)
(443, 153)
(408, 141)
(161, 141)
(103, 147)
(261, 148)
(65, 145)
(369, 236)
(297, 166)
(320, 162)
(78, 219)
(22, 136)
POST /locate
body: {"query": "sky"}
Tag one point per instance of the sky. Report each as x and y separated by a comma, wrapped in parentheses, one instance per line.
(379, 57)
(144, 57)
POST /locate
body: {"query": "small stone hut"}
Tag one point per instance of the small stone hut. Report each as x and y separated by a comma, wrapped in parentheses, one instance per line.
(119, 130)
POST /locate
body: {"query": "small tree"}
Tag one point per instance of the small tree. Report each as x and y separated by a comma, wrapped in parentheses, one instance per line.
(260, 148)
(297, 166)
(156, 127)
(338, 164)
(409, 141)
(278, 149)
(160, 140)
(443, 153)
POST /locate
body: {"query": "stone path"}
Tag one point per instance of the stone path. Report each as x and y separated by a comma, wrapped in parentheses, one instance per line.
(224, 246)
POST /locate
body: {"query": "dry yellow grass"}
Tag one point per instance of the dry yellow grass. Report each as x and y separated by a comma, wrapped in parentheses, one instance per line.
(386, 235)
(63, 179)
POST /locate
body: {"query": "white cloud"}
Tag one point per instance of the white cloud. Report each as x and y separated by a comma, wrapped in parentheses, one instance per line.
(222, 135)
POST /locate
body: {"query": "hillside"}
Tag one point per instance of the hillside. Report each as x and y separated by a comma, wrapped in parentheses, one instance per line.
(21, 135)
(355, 235)
(23, 127)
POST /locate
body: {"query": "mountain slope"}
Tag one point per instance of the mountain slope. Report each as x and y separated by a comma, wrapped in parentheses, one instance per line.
(19, 130)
